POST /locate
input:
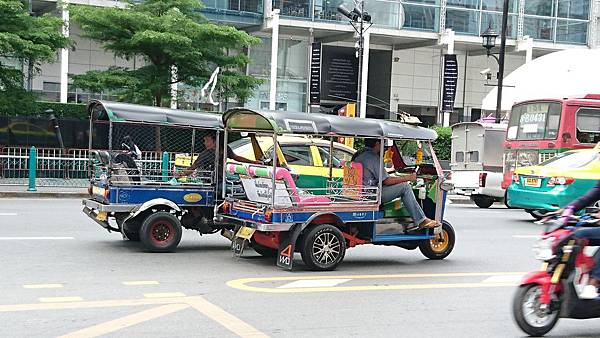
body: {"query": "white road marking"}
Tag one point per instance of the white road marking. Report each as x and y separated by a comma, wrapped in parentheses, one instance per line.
(33, 238)
(503, 279)
(526, 236)
(8, 214)
(164, 295)
(59, 299)
(313, 283)
(42, 286)
(141, 282)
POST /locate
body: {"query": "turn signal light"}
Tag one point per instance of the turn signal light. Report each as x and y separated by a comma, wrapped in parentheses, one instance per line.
(268, 216)
(90, 190)
(226, 207)
(482, 179)
(106, 194)
(560, 180)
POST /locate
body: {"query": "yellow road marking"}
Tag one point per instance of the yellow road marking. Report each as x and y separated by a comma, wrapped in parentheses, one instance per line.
(42, 286)
(60, 299)
(241, 284)
(127, 321)
(227, 320)
(141, 282)
(88, 304)
(164, 295)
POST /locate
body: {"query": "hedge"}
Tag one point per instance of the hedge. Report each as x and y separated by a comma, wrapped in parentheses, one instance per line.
(443, 143)
(61, 110)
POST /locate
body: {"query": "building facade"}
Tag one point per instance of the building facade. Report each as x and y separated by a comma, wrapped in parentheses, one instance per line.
(403, 56)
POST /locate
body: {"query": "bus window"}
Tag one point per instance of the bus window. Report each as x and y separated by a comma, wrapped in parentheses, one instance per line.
(588, 125)
(534, 121)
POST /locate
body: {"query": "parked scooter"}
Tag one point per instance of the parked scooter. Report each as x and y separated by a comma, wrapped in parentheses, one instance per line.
(124, 159)
(560, 288)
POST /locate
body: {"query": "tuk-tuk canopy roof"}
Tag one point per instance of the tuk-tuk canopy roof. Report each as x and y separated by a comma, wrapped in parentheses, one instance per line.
(126, 112)
(283, 122)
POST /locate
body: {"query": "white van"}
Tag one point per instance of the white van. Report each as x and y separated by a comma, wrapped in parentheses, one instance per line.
(476, 161)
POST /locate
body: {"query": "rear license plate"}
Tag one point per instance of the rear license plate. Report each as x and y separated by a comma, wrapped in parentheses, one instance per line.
(102, 216)
(533, 182)
(245, 233)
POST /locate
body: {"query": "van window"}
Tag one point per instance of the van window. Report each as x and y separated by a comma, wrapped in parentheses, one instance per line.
(473, 156)
(460, 156)
(588, 125)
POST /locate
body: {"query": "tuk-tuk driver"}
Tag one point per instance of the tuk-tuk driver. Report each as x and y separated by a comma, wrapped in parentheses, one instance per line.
(393, 186)
(206, 158)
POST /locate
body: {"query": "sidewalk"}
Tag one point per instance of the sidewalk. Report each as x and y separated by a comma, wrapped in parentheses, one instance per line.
(20, 191)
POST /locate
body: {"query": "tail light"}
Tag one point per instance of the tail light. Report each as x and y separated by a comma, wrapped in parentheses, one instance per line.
(268, 216)
(482, 179)
(90, 190)
(106, 194)
(560, 180)
(515, 178)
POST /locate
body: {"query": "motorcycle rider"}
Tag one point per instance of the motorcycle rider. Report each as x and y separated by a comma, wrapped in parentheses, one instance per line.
(591, 234)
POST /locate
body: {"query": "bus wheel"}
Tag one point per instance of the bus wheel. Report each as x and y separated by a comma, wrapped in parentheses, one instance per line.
(483, 201)
(440, 246)
(161, 232)
(323, 248)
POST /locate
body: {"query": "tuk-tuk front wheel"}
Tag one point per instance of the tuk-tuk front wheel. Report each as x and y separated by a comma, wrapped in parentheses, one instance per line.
(161, 232)
(441, 245)
(323, 248)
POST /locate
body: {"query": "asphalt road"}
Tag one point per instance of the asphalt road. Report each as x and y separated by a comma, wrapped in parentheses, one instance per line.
(61, 275)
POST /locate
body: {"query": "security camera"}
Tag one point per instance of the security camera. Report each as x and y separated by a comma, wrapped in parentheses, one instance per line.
(485, 71)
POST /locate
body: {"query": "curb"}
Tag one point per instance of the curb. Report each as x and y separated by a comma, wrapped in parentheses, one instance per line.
(34, 194)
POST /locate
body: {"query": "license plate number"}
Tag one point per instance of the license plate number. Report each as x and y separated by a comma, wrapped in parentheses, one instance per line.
(533, 182)
(245, 233)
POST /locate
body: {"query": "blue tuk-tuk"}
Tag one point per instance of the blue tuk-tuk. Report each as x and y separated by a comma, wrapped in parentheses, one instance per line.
(140, 185)
(277, 216)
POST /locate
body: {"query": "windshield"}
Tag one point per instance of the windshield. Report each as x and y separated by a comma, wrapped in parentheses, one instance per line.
(572, 159)
(534, 121)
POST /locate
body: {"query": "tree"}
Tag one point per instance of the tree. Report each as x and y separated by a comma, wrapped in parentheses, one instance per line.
(24, 38)
(167, 34)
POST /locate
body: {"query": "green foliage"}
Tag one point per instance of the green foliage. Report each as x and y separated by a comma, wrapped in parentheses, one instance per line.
(63, 110)
(24, 38)
(443, 143)
(166, 34)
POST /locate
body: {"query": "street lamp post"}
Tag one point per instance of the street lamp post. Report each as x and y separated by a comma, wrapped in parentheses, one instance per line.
(357, 18)
(489, 42)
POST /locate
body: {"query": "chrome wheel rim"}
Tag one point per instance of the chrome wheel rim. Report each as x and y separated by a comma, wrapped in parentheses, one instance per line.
(326, 248)
(533, 313)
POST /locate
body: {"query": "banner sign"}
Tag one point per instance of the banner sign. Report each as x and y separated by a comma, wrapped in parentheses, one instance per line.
(450, 82)
(340, 74)
(315, 74)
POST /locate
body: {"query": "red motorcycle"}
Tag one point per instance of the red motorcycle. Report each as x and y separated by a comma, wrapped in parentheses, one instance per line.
(560, 289)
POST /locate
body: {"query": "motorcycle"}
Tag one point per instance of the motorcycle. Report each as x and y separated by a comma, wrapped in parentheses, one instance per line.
(123, 161)
(560, 288)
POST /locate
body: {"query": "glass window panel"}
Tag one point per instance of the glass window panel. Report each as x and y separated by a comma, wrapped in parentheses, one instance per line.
(588, 125)
(497, 5)
(292, 59)
(460, 156)
(466, 22)
(540, 29)
(260, 58)
(574, 9)
(296, 8)
(429, 2)
(473, 4)
(495, 21)
(327, 10)
(571, 31)
(384, 13)
(539, 7)
(51, 86)
(421, 17)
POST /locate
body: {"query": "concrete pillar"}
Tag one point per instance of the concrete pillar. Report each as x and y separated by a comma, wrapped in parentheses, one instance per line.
(274, 50)
(364, 76)
(64, 56)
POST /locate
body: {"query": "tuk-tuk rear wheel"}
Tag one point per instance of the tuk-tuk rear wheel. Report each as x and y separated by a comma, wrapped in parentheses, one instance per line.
(323, 248)
(161, 232)
(441, 245)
